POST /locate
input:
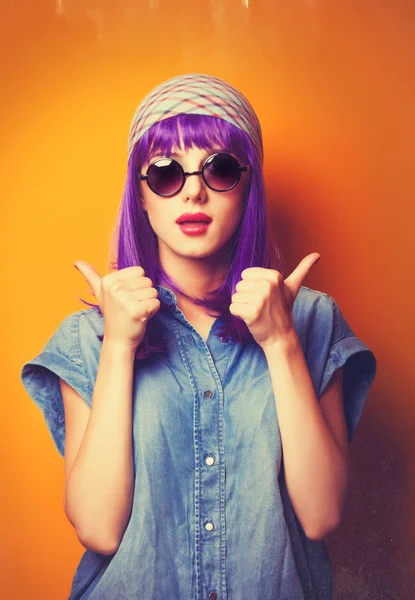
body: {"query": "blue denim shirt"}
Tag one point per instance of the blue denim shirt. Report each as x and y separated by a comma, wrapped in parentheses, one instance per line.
(211, 516)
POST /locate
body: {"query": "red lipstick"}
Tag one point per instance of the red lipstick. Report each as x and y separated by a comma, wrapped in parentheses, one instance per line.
(193, 223)
(198, 217)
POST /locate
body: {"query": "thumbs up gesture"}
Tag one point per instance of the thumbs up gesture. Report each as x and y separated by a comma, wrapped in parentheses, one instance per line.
(126, 298)
(264, 300)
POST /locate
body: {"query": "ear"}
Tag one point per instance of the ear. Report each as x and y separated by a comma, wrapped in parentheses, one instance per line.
(143, 203)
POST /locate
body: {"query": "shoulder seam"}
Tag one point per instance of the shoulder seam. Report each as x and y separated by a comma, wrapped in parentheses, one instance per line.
(79, 315)
(320, 293)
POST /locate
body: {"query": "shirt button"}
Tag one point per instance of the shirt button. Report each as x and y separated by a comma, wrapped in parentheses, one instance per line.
(212, 596)
(209, 526)
(209, 460)
(190, 340)
(208, 394)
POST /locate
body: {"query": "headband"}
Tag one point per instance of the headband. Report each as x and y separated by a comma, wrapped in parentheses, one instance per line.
(196, 94)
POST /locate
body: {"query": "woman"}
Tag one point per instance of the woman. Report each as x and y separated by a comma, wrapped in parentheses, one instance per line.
(175, 399)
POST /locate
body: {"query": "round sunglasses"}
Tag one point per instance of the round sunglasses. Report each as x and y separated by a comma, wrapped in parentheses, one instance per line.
(221, 172)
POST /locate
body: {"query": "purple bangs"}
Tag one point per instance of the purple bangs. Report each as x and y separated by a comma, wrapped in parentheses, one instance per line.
(135, 243)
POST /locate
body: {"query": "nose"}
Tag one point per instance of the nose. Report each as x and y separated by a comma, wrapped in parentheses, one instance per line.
(194, 187)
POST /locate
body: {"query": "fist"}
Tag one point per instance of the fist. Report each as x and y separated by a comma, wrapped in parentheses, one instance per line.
(126, 298)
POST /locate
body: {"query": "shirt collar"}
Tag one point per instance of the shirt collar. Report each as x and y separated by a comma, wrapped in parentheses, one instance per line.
(167, 296)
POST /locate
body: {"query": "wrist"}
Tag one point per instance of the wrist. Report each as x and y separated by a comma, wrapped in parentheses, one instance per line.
(287, 344)
(119, 348)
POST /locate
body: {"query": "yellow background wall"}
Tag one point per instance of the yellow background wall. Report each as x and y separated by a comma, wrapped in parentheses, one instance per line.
(333, 84)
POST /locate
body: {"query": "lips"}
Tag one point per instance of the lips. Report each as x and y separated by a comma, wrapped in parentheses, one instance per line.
(193, 218)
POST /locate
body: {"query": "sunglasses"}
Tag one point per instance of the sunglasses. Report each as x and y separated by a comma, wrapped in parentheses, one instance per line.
(221, 172)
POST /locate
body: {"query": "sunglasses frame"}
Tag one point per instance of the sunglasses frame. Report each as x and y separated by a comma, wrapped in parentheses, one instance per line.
(185, 174)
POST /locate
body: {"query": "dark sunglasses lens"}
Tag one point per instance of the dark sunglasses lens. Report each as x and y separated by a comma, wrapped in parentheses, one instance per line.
(222, 172)
(165, 177)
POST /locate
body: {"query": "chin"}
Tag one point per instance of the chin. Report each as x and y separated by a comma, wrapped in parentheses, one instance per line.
(197, 254)
(196, 247)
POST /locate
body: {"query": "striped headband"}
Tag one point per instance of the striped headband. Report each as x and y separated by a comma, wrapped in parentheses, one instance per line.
(197, 94)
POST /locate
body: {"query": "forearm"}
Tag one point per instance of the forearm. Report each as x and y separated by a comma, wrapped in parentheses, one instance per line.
(100, 485)
(316, 470)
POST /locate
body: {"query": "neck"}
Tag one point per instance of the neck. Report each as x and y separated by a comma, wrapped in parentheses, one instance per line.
(195, 276)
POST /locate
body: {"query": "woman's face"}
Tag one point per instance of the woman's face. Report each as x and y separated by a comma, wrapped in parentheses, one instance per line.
(224, 208)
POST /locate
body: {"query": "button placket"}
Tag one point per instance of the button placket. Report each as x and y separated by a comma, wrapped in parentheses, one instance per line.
(209, 480)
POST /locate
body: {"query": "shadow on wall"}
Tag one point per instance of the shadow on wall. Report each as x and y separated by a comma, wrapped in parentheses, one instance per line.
(372, 552)
(370, 560)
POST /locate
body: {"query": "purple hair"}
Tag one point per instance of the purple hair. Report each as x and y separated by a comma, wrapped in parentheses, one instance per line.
(252, 243)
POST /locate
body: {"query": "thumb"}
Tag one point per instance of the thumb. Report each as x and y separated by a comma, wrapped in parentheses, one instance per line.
(295, 280)
(91, 276)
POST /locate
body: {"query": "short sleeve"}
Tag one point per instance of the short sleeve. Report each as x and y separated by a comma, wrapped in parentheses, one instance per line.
(331, 344)
(60, 357)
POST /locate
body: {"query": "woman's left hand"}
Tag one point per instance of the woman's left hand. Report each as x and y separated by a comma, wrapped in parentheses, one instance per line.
(264, 300)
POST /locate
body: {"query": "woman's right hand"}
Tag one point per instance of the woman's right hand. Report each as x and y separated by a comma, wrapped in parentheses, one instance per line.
(126, 298)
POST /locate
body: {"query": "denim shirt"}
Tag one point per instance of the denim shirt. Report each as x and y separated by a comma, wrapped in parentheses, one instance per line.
(211, 517)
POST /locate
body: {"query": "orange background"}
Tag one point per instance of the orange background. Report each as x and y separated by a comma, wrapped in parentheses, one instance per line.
(333, 84)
